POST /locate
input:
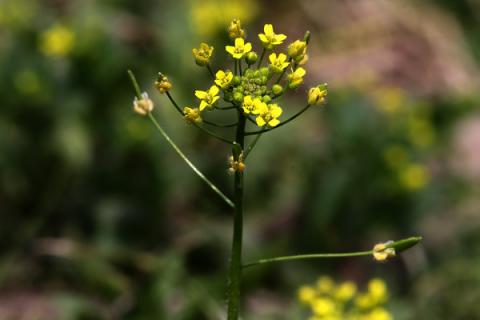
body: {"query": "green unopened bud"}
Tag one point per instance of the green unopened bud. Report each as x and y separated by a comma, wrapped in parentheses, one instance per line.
(238, 97)
(251, 58)
(237, 80)
(265, 71)
(306, 38)
(266, 98)
(277, 89)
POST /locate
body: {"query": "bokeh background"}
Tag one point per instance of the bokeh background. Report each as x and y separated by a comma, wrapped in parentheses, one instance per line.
(100, 219)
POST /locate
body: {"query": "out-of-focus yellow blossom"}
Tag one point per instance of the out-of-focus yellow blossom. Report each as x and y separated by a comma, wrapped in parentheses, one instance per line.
(295, 79)
(268, 114)
(421, 132)
(328, 301)
(325, 284)
(192, 115)
(208, 98)
(395, 156)
(252, 106)
(278, 63)
(203, 54)
(223, 79)
(317, 95)
(345, 291)
(269, 38)
(240, 49)
(297, 50)
(323, 306)
(163, 84)
(381, 252)
(390, 100)
(414, 177)
(144, 105)
(235, 30)
(306, 294)
(57, 41)
(208, 17)
(379, 314)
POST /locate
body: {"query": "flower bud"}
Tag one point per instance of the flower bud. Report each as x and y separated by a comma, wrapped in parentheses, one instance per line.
(251, 58)
(266, 98)
(277, 89)
(381, 251)
(238, 97)
(317, 95)
(203, 54)
(297, 50)
(144, 105)
(235, 30)
(162, 84)
(192, 115)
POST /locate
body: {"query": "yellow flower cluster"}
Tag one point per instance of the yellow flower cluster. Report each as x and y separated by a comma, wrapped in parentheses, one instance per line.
(57, 41)
(328, 300)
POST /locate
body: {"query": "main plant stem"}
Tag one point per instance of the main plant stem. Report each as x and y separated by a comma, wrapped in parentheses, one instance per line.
(235, 271)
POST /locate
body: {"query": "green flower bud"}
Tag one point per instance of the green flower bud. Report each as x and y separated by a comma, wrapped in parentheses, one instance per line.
(237, 80)
(266, 99)
(251, 58)
(277, 89)
(265, 71)
(238, 97)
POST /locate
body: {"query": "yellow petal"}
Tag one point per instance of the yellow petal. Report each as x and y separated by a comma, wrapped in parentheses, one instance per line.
(213, 91)
(230, 49)
(203, 105)
(272, 58)
(300, 72)
(273, 122)
(247, 48)
(260, 121)
(268, 29)
(220, 74)
(239, 42)
(263, 38)
(200, 94)
(275, 110)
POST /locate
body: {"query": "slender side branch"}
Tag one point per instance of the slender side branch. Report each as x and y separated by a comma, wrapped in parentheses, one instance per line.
(220, 125)
(251, 146)
(190, 164)
(281, 124)
(210, 71)
(261, 58)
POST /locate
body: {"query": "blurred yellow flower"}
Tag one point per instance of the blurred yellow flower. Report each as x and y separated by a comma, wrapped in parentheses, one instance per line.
(203, 54)
(414, 177)
(297, 50)
(210, 16)
(235, 30)
(323, 306)
(192, 115)
(420, 131)
(306, 294)
(395, 156)
(377, 289)
(57, 41)
(295, 79)
(269, 38)
(345, 291)
(389, 100)
(317, 95)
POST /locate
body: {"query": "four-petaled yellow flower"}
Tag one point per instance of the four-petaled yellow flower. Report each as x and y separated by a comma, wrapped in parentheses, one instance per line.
(268, 114)
(295, 79)
(192, 115)
(203, 54)
(144, 105)
(208, 98)
(317, 95)
(251, 106)
(278, 63)
(240, 49)
(297, 50)
(223, 79)
(269, 38)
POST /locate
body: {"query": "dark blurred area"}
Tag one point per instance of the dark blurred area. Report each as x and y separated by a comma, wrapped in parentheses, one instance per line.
(101, 220)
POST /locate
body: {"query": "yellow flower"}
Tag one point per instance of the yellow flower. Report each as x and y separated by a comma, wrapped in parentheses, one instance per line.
(345, 291)
(252, 106)
(203, 54)
(381, 252)
(240, 49)
(414, 177)
(269, 38)
(325, 284)
(192, 115)
(318, 94)
(268, 114)
(144, 105)
(235, 30)
(223, 79)
(297, 50)
(377, 289)
(57, 41)
(379, 314)
(208, 98)
(278, 63)
(323, 307)
(295, 79)
(162, 84)
(306, 294)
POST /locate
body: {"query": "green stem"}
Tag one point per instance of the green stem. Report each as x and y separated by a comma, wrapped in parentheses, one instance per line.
(220, 125)
(235, 270)
(211, 72)
(240, 67)
(261, 58)
(308, 256)
(189, 163)
(281, 124)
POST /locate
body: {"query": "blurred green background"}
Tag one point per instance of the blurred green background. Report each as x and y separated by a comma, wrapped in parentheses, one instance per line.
(100, 219)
